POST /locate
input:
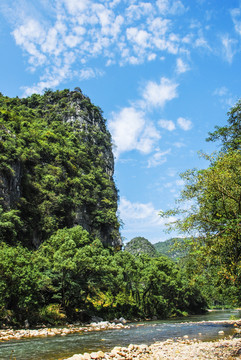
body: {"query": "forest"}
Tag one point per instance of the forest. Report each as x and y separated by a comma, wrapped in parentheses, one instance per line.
(60, 250)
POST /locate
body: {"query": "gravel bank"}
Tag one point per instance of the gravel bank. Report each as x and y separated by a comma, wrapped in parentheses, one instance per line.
(181, 349)
(11, 334)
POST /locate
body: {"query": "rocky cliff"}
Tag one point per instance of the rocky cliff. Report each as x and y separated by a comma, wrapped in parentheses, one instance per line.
(56, 168)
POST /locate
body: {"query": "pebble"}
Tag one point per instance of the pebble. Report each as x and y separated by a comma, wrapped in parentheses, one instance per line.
(172, 350)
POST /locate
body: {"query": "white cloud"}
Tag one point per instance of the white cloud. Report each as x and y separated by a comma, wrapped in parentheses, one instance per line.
(137, 211)
(158, 158)
(158, 26)
(184, 124)
(140, 37)
(29, 36)
(89, 73)
(181, 66)
(156, 94)
(148, 138)
(172, 7)
(163, 6)
(143, 213)
(177, 8)
(130, 128)
(151, 57)
(76, 6)
(135, 12)
(119, 32)
(126, 127)
(201, 42)
(167, 124)
(131, 131)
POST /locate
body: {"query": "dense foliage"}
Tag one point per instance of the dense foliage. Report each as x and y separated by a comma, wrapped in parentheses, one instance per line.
(56, 168)
(140, 245)
(214, 216)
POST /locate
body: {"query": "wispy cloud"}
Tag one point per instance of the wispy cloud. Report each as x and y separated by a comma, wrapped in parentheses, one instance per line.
(236, 17)
(179, 144)
(142, 219)
(229, 47)
(158, 158)
(143, 214)
(225, 96)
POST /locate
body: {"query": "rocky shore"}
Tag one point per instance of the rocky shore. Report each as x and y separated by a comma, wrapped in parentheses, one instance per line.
(11, 334)
(180, 349)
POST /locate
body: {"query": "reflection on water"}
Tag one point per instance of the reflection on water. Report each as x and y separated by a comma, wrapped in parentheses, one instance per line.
(60, 347)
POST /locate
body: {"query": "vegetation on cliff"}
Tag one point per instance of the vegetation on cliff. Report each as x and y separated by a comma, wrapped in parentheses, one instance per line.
(139, 245)
(56, 168)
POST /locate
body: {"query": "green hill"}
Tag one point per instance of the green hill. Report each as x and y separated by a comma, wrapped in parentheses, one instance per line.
(140, 245)
(171, 248)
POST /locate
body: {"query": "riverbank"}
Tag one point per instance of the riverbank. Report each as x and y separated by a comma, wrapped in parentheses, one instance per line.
(11, 334)
(180, 349)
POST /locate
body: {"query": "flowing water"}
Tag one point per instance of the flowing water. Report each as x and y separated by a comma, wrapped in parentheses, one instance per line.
(61, 347)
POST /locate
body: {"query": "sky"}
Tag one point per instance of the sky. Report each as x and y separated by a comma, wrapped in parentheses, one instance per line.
(164, 73)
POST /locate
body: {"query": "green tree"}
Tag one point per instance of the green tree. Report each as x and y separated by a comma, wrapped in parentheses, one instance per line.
(229, 135)
(214, 197)
(19, 277)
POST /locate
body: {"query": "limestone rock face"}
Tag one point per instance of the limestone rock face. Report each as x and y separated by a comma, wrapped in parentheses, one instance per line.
(10, 185)
(32, 182)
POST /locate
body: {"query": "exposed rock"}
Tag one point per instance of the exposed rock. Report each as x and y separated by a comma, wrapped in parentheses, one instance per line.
(10, 185)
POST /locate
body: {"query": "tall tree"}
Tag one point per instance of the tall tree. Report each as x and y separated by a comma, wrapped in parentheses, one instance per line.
(214, 197)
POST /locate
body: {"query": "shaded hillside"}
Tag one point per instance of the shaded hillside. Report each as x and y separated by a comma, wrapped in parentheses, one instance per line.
(140, 245)
(56, 168)
(172, 248)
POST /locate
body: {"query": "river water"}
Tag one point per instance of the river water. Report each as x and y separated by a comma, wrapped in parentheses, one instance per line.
(61, 347)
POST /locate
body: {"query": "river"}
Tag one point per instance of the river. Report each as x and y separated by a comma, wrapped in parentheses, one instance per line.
(59, 347)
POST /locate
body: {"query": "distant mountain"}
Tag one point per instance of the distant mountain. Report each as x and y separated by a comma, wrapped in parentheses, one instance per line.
(171, 248)
(140, 245)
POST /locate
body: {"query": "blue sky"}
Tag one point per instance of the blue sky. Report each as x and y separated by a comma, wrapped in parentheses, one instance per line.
(164, 72)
